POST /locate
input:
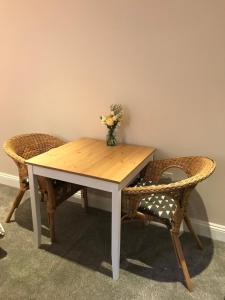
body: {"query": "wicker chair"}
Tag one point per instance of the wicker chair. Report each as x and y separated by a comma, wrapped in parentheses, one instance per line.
(148, 199)
(25, 146)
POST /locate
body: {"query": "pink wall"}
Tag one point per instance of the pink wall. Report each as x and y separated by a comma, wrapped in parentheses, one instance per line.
(62, 63)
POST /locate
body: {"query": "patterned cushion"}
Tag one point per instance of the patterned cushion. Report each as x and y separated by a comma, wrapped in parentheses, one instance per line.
(142, 182)
(160, 204)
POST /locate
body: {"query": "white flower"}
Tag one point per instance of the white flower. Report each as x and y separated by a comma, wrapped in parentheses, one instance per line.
(103, 118)
(115, 116)
(109, 121)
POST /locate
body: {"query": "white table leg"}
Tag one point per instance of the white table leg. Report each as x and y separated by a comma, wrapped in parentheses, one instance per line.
(116, 229)
(35, 206)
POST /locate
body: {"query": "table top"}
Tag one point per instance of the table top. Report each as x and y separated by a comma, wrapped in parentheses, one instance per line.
(93, 158)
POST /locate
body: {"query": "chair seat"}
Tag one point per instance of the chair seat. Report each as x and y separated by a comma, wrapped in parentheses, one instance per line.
(160, 204)
(63, 190)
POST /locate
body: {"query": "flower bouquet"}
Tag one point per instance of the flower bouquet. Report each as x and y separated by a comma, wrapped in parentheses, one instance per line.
(112, 121)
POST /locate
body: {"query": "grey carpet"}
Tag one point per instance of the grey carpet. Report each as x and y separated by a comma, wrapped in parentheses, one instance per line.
(78, 266)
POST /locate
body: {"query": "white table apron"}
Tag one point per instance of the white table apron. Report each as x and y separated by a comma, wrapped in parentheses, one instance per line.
(97, 183)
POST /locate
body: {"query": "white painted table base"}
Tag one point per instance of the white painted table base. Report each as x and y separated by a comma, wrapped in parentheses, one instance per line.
(113, 187)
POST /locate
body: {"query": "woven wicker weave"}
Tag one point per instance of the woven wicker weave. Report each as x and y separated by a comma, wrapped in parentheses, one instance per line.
(25, 146)
(197, 169)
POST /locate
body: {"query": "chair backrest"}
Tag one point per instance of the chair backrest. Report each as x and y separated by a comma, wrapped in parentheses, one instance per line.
(25, 146)
(29, 145)
(194, 165)
(197, 168)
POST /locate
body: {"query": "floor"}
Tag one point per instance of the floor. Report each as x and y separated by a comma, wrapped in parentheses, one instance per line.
(78, 266)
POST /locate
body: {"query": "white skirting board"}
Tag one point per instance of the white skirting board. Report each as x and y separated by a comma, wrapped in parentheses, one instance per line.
(102, 201)
(208, 229)
(9, 179)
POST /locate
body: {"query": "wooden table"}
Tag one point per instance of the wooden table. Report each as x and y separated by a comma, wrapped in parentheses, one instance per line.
(89, 162)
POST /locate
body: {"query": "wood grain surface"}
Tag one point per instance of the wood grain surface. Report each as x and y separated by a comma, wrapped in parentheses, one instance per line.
(91, 157)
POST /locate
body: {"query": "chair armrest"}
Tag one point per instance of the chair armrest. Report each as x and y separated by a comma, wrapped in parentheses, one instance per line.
(12, 154)
(161, 188)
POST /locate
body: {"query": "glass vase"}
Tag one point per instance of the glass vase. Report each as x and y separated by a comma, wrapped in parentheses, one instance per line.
(111, 137)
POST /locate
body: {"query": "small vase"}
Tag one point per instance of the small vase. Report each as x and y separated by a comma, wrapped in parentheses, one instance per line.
(111, 137)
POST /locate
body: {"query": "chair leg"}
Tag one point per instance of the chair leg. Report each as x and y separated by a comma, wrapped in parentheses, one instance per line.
(189, 226)
(42, 197)
(85, 198)
(51, 222)
(15, 205)
(180, 255)
(175, 249)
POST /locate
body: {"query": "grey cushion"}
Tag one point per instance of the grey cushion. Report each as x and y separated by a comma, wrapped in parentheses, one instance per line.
(160, 204)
